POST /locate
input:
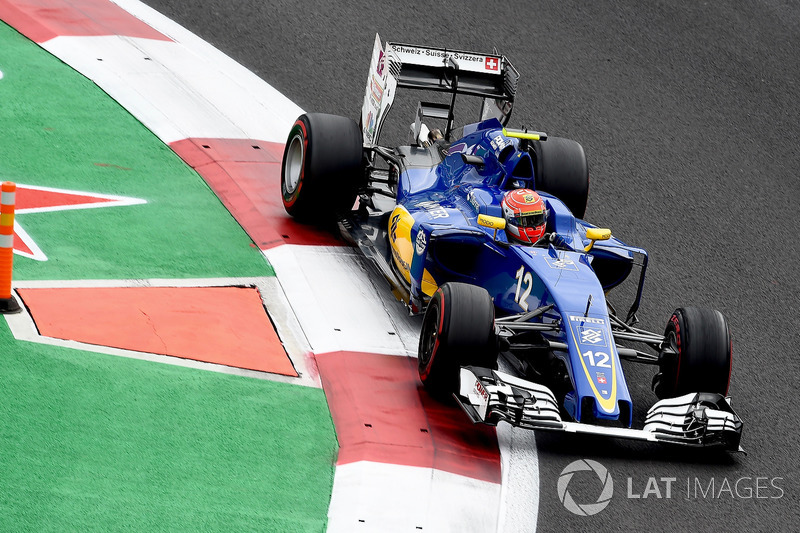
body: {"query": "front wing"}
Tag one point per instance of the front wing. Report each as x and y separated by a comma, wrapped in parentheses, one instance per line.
(695, 419)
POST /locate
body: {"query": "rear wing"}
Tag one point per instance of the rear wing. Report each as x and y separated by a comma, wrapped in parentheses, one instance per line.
(395, 65)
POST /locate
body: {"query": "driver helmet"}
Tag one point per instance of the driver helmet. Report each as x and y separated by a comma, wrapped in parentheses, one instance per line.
(525, 214)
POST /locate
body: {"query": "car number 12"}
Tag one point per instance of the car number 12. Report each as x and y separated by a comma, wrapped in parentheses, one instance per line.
(602, 359)
(523, 278)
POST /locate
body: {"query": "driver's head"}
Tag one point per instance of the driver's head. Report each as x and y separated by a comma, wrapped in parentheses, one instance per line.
(525, 214)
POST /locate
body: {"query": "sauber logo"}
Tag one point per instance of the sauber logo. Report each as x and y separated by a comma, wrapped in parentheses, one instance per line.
(421, 242)
(482, 391)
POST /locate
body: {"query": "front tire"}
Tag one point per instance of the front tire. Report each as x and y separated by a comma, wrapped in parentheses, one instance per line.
(457, 330)
(700, 355)
(562, 170)
(321, 170)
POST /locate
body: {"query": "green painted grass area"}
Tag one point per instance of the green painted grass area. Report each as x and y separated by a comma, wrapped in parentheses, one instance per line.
(60, 130)
(90, 442)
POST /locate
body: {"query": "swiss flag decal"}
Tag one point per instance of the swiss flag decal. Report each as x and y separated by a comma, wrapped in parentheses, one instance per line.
(491, 63)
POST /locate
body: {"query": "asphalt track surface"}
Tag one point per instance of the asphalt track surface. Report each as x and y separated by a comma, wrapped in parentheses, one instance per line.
(689, 115)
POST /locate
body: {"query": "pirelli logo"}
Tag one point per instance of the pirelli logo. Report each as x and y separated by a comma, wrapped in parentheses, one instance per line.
(587, 320)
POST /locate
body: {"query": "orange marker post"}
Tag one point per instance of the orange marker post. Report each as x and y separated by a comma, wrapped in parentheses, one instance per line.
(8, 304)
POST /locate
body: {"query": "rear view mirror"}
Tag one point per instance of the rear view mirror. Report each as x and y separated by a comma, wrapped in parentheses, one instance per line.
(491, 222)
(494, 223)
(596, 234)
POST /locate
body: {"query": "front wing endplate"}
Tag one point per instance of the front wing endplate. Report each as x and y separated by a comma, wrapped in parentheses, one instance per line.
(695, 419)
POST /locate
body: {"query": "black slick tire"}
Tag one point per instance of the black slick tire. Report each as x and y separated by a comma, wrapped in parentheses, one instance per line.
(561, 170)
(457, 330)
(699, 357)
(322, 167)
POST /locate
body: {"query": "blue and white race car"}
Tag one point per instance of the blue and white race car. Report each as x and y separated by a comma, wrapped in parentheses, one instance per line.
(482, 231)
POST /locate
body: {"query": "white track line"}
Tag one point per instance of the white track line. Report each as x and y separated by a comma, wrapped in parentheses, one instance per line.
(520, 467)
(379, 497)
(338, 302)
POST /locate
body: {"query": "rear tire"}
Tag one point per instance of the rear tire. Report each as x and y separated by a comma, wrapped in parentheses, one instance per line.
(322, 169)
(702, 358)
(457, 330)
(562, 170)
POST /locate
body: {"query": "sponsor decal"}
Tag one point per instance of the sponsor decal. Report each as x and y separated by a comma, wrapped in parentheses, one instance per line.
(421, 243)
(677, 325)
(403, 264)
(376, 89)
(499, 142)
(466, 57)
(418, 55)
(381, 63)
(473, 201)
(458, 56)
(370, 124)
(393, 226)
(601, 378)
(433, 209)
(377, 93)
(565, 263)
(529, 199)
(587, 319)
(592, 336)
(481, 391)
(407, 50)
(479, 398)
(489, 222)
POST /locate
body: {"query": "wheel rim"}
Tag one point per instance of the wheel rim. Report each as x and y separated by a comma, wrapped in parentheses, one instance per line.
(430, 335)
(293, 168)
(672, 340)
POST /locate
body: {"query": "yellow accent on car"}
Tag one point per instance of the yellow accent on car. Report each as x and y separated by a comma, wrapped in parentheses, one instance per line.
(596, 234)
(522, 135)
(400, 224)
(607, 404)
(491, 222)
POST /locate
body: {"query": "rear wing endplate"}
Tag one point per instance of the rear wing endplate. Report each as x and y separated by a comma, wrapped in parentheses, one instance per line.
(394, 65)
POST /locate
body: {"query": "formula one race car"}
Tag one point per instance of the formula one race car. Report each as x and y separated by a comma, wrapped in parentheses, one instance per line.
(483, 232)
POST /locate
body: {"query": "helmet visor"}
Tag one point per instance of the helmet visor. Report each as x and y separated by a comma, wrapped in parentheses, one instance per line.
(529, 220)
